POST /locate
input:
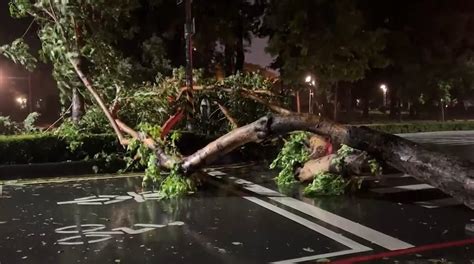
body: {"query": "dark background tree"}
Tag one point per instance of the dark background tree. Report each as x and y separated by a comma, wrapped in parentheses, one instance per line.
(329, 39)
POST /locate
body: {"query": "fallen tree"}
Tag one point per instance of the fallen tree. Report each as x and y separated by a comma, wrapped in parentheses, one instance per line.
(447, 173)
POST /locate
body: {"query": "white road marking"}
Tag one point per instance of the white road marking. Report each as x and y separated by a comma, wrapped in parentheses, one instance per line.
(85, 198)
(113, 201)
(137, 197)
(438, 203)
(176, 223)
(73, 229)
(403, 188)
(133, 231)
(67, 202)
(320, 256)
(149, 225)
(311, 225)
(347, 225)
(107, 196)
(90, 203)
(99, 233)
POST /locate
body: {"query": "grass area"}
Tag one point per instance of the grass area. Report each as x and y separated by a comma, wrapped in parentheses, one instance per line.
(422, 126)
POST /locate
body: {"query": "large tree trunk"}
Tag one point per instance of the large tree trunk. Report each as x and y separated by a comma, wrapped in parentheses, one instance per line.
(228, 60)
(449, 174)
(355, 164)
(77, 106)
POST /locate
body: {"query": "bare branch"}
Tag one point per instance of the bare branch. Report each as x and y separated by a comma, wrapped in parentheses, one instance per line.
(98, 100)
(275, 108)
(262, 91)
(228, 115)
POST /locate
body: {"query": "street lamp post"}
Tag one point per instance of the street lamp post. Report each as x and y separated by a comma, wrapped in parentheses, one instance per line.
(310, 80)
(384, 89)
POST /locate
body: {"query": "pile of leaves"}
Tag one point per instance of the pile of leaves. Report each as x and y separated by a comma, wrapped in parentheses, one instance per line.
(294, 153)
(326, 183)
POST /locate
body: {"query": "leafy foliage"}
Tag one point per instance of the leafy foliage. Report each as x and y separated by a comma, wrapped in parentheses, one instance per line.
(10, 127)
(29, 123)
(93, 122)
(326, 184)
(93, 34)
(7, 126)
(340, 160)
(293, 153)
(170, 184)
(175, 184)
(375, 167)
(32, 148)
(230, 92)
(18, 52)
(328, 38)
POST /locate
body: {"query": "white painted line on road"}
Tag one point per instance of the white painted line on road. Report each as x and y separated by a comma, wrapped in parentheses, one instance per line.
(92, 203)
(438, 203)
(150, 225)
(347, 225)
(85, 198)
(403, 188)
(320, 256)
(311, 225)
(112, 202)
(255, 188)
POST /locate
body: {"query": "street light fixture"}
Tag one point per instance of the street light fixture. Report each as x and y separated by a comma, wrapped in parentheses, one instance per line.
(22, 101)
(384, 89)
(3, 80)
(311, 81)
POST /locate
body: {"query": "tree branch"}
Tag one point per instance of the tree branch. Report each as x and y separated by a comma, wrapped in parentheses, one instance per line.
(228, 115)
(98, 100)
(275, 108)
(163, 160)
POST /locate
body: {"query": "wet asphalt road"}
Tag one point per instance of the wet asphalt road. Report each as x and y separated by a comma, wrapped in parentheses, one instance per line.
(239, 217)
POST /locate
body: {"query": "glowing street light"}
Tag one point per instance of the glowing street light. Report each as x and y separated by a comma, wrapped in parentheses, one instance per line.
(384, 89)
(21, 101)
(311, 81)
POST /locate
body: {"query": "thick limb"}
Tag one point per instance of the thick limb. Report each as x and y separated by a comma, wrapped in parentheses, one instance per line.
(449, 174)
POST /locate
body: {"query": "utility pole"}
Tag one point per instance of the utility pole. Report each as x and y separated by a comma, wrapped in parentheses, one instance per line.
(30, 94)
(188, 35)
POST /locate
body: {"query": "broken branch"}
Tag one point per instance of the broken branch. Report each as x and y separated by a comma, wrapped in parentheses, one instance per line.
(228, 115)
(98, 100)
(163, 159)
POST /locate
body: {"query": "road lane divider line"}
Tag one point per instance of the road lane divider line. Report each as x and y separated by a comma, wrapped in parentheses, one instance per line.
(367, 233)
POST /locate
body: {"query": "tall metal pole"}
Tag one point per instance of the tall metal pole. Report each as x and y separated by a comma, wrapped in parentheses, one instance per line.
(30, 94)
(188, 34)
